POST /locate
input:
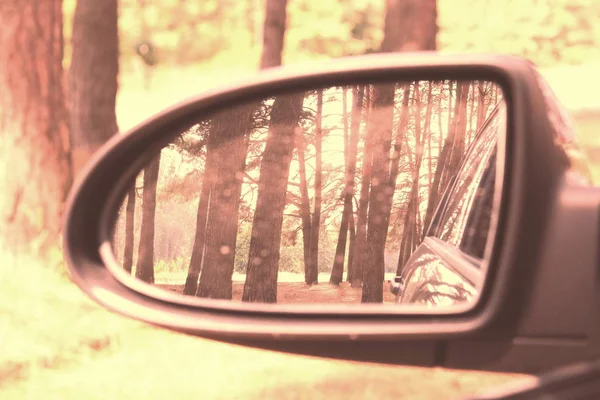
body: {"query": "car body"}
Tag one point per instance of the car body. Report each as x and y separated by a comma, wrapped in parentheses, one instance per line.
(446, 268)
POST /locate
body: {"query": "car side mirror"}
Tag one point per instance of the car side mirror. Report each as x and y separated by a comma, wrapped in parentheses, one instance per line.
(271, 213)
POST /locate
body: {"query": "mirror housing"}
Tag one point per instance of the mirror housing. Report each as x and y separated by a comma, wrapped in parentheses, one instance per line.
(539, 305)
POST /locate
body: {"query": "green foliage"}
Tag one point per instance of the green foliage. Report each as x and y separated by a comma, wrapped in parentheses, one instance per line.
(545, 31)
(228, 33)
(178, 264)
(324, 29)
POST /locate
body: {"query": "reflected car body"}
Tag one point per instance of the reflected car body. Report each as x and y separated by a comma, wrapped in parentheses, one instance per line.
(449, 269)
(446, 268)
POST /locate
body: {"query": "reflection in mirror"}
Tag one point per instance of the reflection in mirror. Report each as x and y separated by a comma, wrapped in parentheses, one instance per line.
(370, 193)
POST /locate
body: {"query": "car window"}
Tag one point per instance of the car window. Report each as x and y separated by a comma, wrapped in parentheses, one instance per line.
(466, 211)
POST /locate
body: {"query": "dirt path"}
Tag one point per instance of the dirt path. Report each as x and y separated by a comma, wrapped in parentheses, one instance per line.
(299, 292)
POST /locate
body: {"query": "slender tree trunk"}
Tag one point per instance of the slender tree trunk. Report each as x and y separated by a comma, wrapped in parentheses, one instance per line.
(482, 104)
(304, 203)
(351, 247)
(398, 144)
(144, 269)
(472, 128)
(93, 78)
(412, 221)
(337, 271)
(229, 131)
(34, 150)
(380, 128)
(273, 33)
(263, 259)
(129, 229)
(198, 249)
(437, 187)
(363, 202)
(315, 225)
(460, 130)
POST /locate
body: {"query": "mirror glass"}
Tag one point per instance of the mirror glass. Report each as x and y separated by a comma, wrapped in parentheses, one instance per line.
(367, 193)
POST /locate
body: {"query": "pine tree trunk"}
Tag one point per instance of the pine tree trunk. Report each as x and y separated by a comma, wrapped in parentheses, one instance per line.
(129, 229)
(315, 225)
(273, 33)
(229, 131)
(437, 186)
(337, 271)
(93, 78)
(263, 259)
(304, 203)
(363, 202)
(198, 249)
(144, 269)
(380, 128)
(34, 150)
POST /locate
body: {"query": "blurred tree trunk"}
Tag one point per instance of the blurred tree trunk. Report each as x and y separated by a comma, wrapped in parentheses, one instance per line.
(129, 229)
(363, 202)
(229, 132)
(263, 259)
(273, 33)
(312, 273)
(144, 269)
(93, 78)
(34, 168)
(198, 249)
(337, 271)
(410, 25)
(380, 128)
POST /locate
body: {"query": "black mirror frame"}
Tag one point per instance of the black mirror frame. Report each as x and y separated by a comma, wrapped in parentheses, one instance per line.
(534, 169)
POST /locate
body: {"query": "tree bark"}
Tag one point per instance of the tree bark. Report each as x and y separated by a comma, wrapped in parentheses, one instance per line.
(93, 78)
(459, 130)
(273, 33)
(412, 221)
(229, 131)
(34, 164)
(129, 229)
(482, 105)
(363, 202)
(198, 249)
(398, 144)
(263, 259)
(337, 271)
(352, 245)
(410, 25)
(380, 128)
(437, 186)
(304, 203)
(315, 225)
(144, 269)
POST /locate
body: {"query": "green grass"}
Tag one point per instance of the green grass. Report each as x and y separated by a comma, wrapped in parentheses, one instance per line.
(57, 344)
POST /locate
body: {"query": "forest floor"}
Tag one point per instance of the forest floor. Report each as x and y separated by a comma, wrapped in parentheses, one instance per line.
(299, 292)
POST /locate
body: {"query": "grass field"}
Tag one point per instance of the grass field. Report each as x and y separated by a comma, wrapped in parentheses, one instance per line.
(57, 344)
